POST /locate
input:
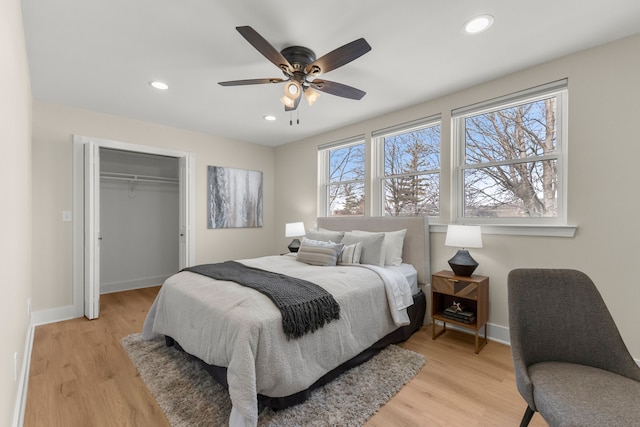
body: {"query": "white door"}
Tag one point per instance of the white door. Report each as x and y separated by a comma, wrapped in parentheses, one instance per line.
(92, 230)
(184, 207)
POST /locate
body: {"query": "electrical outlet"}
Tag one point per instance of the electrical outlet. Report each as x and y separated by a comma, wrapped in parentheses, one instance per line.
(66, 216)
(15, 366)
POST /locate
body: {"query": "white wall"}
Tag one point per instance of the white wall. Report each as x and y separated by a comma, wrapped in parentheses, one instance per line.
(53, 127)
(604, 149)
(15, 196)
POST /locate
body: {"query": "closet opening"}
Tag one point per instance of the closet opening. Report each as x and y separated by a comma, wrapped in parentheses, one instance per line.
(139, 219)
(133, 213)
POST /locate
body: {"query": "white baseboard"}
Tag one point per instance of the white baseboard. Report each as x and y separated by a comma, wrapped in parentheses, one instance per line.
(58, 314)
(128, 285)
(498, 333)
(21, 398)
(495, 333)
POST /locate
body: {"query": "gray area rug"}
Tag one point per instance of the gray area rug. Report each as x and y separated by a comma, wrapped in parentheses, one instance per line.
(189, 396)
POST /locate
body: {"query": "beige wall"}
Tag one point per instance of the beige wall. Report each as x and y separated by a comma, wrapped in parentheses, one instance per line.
(53, 127)
(15, 196)
(604, 149)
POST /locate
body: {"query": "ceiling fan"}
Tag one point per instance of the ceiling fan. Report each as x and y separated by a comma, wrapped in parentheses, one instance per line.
(301, 68)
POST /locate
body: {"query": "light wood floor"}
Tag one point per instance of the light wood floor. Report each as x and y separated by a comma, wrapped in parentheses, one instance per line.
(80, 376)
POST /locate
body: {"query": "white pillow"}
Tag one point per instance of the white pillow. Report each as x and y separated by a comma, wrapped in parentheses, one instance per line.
(351, 254)
(393, 244)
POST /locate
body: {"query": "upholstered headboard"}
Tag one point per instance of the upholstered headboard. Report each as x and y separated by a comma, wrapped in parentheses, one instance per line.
(416, 241)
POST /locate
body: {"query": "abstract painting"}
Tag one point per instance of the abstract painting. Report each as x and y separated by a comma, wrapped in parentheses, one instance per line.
(234, 198)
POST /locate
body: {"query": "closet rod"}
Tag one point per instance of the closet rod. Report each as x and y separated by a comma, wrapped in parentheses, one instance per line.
(139, 178)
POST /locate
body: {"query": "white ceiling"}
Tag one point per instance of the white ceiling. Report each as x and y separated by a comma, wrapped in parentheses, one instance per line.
(101, 54)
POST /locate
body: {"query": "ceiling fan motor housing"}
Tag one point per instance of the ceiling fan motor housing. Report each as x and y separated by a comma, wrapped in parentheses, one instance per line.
(298, 56)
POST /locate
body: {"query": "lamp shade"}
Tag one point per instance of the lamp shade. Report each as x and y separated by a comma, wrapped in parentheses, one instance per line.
(463, 236)
(294, 229)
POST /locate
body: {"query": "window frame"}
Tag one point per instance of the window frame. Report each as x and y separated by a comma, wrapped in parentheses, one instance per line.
(378, 179)
(559, 89)
(323, 172)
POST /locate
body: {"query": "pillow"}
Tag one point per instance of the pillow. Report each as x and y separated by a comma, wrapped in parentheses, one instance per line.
(351, 254)
(325, 235)
(372, 249)
(393, 244)
(315, 252)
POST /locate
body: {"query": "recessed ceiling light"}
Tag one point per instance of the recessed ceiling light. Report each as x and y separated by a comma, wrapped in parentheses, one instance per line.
(159, 85)
(269, 118)
(477, 24)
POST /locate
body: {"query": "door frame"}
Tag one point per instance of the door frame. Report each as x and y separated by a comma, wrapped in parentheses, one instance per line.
(187, 208)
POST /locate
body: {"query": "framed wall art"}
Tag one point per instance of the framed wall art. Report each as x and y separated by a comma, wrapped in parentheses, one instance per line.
(234, 198)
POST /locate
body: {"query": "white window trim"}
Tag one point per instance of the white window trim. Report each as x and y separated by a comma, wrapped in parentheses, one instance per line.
(521, 226)
(378, 136)
(518, 229)
(323, 169)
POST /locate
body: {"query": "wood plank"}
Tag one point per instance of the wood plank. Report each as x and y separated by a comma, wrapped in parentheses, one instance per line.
(81, 376)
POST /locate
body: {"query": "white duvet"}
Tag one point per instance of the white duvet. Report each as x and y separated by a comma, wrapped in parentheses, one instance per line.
(226, 324)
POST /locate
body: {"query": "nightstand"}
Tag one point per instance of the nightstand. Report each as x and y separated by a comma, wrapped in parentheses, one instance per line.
(471, 293)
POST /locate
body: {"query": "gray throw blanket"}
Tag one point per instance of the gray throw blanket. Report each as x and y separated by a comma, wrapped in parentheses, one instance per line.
(305, 306)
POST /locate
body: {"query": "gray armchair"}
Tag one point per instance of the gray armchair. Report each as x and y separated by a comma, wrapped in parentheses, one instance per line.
(571, 364)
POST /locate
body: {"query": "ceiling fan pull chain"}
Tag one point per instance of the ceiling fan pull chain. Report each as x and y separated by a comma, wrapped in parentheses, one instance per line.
(291, 118)
(298, 119)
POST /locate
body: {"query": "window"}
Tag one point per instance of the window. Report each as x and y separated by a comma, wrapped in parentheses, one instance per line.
(509, 158)
(409, 169)
(342, 177)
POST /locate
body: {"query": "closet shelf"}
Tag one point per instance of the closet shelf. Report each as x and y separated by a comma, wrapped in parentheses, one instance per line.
(138, 178)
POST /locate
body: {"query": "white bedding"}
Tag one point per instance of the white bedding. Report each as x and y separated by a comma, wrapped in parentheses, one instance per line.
(226, 324)
(410, 273)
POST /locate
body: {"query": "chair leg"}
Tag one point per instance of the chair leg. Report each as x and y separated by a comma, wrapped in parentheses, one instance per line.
(526, 418)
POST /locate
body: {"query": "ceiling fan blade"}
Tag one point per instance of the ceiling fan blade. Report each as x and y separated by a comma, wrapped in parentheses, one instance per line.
(296, 102)
(265, 48)
(337, 89)
(338, 57)
(250, 82)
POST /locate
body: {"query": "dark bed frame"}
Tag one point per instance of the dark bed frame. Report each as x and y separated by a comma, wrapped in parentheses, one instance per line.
(416, 251)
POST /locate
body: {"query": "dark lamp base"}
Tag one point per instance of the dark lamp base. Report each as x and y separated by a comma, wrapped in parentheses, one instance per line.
(462, 264)
(294, 245)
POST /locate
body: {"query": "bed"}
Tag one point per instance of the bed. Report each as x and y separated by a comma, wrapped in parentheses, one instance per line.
(238, 332)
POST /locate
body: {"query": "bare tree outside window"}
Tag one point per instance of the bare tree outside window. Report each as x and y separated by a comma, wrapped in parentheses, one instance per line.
(345, 189)
(511, 161)
(412, 173)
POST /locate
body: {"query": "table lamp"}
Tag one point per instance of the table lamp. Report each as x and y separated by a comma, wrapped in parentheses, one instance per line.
(294, 229)
(463, 236)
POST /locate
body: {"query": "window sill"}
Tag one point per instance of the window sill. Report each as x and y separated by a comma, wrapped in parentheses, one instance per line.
(518, 229)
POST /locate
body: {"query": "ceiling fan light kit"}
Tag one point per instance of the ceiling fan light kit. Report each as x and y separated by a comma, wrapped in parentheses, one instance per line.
(301, 68)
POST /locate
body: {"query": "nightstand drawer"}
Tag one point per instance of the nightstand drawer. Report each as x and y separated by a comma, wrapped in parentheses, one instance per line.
(460, 288)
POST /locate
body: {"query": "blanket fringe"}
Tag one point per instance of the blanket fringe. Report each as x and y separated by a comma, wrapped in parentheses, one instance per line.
(305, 306)
(299, 319)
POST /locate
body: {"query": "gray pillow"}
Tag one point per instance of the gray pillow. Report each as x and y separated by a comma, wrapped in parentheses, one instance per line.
(314, 252)
(372, 247)
(325, 235)
(393, 243)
